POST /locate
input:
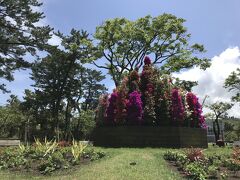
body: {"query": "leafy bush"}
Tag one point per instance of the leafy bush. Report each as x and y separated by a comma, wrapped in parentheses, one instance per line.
(170, 156)
(177, 108)
(86, 123)
(196, 171)
(134, 108)
(77, 150)
(46, 156)
(11, 158)
(195, 154)
(93, 155)
(46, 147)
(64, 144)
(233, 163)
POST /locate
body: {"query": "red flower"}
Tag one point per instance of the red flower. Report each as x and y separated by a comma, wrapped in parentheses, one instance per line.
(147, 60)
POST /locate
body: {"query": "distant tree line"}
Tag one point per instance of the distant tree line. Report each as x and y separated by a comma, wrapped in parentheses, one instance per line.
(67, 77)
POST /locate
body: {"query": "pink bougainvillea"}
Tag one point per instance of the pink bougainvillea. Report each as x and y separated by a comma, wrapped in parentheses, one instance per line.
(150, 98)
(147, 60)
(121, 105)
(101, 109)
(134, 108)
(112, 109)
(177, 108)
(195, 107)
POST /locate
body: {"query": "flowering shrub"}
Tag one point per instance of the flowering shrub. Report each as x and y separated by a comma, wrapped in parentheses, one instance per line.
(134, 80)
(147, 80)
(177, 108)
(149, 108)
(150, 98)
(101, 109)
(163, 100)
(147, 60)
(112, 109)
(195, 154)
(197, 119)
(121, 105)
(134, 108)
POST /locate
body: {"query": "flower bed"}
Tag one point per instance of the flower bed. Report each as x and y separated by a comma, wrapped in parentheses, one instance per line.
(150, 109)
(46, 157)
(148, 136)
(195, 164)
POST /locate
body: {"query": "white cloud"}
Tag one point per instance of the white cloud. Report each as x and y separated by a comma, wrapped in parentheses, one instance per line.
(211, 81)
(54, 40)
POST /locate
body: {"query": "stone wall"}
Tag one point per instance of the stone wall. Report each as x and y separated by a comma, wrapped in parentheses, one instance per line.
(148, 136)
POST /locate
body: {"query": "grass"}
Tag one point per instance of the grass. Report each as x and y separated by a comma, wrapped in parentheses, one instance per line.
(149, 165)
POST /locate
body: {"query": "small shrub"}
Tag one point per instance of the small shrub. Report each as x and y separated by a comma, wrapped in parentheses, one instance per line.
(233, 163)
(196, 171)
(64, 144)
(170, 156)
(212, 171)
(195, 154)
(220, 143)
(46, 147)
(77, 150)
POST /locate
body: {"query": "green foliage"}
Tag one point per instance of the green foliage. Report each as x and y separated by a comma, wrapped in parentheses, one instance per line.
(170, 156)
(19, 35)
(196, 171)
(219, 110)
(94, 155)
(84, 124)
(43, 158)
(63, 86)
(233, 84)
(77, 150)
(45, 148)
(203, 166)
(124, 43)
(12, 120)
(195, 154)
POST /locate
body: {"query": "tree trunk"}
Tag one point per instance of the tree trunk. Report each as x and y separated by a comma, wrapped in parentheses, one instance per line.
(67, 120)
(216, 130)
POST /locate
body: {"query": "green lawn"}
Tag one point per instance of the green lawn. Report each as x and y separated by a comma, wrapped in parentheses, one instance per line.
(149, 165)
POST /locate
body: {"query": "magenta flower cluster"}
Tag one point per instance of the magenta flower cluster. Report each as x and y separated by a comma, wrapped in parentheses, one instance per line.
(177, 108)
(112, 109)
(147, 60)
(197, 119)
(149, 99)
(134, 108)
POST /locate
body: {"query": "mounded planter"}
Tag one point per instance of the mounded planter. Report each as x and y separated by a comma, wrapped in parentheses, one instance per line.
(148, 136)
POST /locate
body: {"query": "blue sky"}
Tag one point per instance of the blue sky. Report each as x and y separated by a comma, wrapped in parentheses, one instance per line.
(214, 23)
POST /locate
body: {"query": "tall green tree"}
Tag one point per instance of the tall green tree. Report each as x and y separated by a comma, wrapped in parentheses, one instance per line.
(219, 110)
(12, 120)
(19, 35)
(124, 44)
(233, 84)
(92, 88)
(61, 77)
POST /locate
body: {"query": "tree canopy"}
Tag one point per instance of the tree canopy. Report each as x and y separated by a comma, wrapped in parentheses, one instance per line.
(124, 44)
(219, 110)
(233, 84)
(62, 80)
(19, 35)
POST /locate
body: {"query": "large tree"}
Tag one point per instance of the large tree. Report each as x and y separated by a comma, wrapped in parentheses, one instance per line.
(124, 44)
(12, 120)
(19, 35)
(92, 88)
(60, 78)
(219, 110)
(233, 84)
